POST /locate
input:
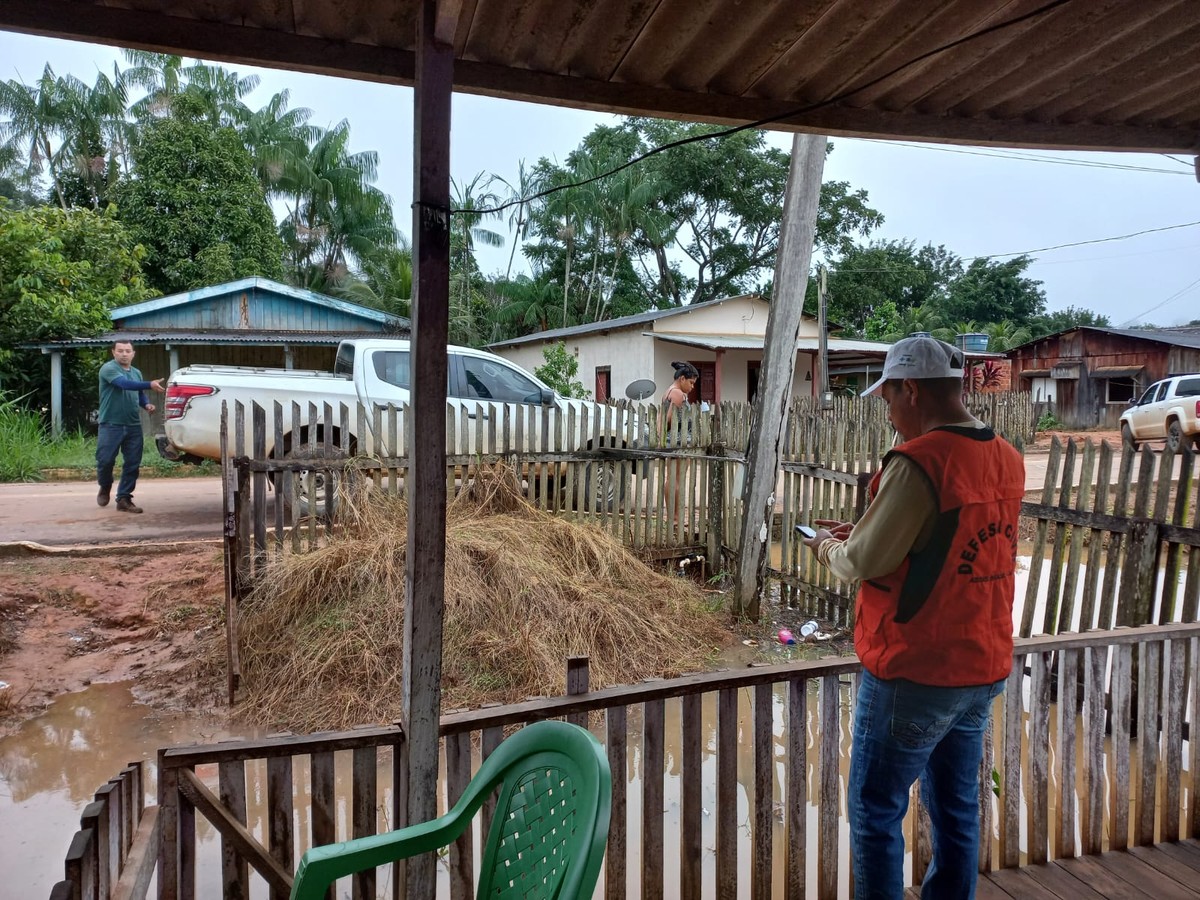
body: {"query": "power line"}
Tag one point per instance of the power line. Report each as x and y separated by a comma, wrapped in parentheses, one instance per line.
(1029, 157)
(1174, 296)
(770, 120)
(1182, 162)
(1118, 237)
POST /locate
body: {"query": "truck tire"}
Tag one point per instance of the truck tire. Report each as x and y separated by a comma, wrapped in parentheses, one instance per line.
(603, 486)
(307, 492)
(1127, 436)
(1174, 436)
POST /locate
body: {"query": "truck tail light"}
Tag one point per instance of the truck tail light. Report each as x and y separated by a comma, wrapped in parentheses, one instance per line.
(180, 395)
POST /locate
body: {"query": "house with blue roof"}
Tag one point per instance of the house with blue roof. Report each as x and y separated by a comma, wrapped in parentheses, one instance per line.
(249, 322)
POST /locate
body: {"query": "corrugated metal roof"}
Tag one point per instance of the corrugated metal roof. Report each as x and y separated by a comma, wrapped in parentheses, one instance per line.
(556, 334)
(755, 342)
(1088, 74)
(1176, 337)
(263, 285)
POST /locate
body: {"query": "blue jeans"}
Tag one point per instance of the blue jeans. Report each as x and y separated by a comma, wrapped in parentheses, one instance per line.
(902, 731)
(127, 439)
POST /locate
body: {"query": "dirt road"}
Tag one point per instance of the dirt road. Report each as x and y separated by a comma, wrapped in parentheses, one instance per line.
(62, 514)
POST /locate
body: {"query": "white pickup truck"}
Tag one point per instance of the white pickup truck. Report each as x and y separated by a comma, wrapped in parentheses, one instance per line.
(1169, 409)
(374, 372)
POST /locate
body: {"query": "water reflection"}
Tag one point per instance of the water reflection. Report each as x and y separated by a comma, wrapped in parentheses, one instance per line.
(53, 764)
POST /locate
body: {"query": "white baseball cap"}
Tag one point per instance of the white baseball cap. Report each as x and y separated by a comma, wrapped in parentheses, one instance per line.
(920, 357)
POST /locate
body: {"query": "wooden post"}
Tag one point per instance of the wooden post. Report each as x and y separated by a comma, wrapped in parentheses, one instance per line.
(426, 553)
(778, 367)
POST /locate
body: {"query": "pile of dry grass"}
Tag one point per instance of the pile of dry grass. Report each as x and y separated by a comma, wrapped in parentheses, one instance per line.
(321, 637)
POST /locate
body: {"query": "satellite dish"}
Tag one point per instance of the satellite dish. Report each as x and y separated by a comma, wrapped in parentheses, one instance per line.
(640, 389)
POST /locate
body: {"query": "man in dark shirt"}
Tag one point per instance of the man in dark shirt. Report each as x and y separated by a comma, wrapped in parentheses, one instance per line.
(122, 393)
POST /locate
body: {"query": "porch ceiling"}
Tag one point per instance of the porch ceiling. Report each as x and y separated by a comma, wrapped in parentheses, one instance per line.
(1088, 74)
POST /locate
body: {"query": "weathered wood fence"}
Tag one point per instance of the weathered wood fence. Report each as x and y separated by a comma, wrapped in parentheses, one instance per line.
(750, 763)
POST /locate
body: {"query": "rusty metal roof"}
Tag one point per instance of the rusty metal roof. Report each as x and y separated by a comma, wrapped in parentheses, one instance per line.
(1086, 74)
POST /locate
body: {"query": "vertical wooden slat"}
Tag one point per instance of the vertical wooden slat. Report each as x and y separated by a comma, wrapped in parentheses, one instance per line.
(277, 451)
(231, 787)
(762, 808)
(79, 866)
(168, 831)
(1010, 793)
(1118, 838)
(1068, 683)
(1039, 757)
(187, 849)
(1191, 827)
(91, 820)
(1149, 677)
(1088, 605)
(616, 741)
(364, 790)
(652, 799)
(727, 794)
(797, 790)
(109, 832)
(690, 809)
(1054, 582)
(323, 808)
(829, 803)
(1094, 721)
(462, 852)
(1070, 605)
(1174, 695)
(279, 814)
(577, 683)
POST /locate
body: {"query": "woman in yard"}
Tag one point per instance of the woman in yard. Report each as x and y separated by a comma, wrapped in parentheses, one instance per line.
(675, 433)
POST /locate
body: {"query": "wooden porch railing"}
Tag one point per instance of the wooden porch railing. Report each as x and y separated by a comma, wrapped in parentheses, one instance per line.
(752, 761)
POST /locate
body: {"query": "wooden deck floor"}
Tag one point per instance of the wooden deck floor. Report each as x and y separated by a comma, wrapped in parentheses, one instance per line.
(1164, 872)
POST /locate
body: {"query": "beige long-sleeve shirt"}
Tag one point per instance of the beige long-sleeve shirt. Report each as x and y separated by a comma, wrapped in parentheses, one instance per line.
(899, 520)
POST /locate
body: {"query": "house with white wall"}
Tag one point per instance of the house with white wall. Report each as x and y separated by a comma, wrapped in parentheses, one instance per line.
(722, 338)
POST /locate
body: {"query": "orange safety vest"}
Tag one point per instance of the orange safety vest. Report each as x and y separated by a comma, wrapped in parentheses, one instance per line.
(944, 617)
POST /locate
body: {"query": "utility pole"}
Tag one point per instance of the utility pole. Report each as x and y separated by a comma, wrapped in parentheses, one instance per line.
(822, 336)
(793, 258)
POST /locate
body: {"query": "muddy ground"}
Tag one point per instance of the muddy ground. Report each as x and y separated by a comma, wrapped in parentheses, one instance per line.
(68, 619)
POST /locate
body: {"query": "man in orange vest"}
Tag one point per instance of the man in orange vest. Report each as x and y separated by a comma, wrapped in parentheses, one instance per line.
(935, 553)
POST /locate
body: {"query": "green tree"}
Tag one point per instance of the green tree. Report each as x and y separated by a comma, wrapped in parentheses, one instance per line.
(992, 291)
(560, 370)
(864, 278)
(471, 201)
(1064, 319)
(60, 274)
(34, 118)
(526, 305)
(384, 281)
(196, 204)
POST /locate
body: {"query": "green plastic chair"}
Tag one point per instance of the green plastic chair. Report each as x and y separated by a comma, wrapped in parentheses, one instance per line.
(546, 839)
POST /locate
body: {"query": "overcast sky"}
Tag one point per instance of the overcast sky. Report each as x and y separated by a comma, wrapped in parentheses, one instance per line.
(975, 201)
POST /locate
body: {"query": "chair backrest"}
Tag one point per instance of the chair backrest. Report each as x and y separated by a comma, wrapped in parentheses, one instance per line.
(550, 828)
(546, 840)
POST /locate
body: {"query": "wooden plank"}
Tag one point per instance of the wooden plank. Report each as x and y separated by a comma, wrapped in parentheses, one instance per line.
(1038, 758)
(280, 746)
(828, 802)
(279, 820)
(462, 851)
(1053, 461)
(1191, 825)
(1010, 792)
(1089, 604)
(1108, 592)
(1058, 880)
(265, 864)
(1015, 883)
(796, 807)
(1094, 722)
(1185, 852)
(1149, 685)
(1149, 881)
(1175, 692)
(691, 850)
(231, 788)
(168, 832)
(1066, 787)
(80, 864)
(727, 794)
(652, 799)
(138, 872)
(1167, 865)
(1050, 616)
(322, 805)
(616, 742)
(761, 808)
(1070, 605)
(364, 790)
(94, 818)
(577, 683)
(1119, 754)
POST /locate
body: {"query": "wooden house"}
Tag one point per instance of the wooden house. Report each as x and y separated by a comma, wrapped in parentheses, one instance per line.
(1088, 376)
(250, 322)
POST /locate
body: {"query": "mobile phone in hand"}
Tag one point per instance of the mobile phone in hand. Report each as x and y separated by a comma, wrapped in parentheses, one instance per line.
(806, 532)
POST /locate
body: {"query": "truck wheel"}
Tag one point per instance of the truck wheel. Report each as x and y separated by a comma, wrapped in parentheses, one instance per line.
(307, 493)
(603, 487)
(1174, 436)
(1127, 436)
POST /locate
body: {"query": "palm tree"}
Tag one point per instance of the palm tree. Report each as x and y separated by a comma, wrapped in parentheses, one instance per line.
(36, 117)
(1006, 335)
(278, 140)
(97, 137)
(336, 213)
(472, 204)
(385, 281)
(528, 305)
(528, 184)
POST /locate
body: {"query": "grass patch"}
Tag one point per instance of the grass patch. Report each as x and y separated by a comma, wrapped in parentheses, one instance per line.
(321, 636)
(28, 452)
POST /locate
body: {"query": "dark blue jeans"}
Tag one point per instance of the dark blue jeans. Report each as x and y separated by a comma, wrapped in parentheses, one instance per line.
(903, 731)
(128, 440)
